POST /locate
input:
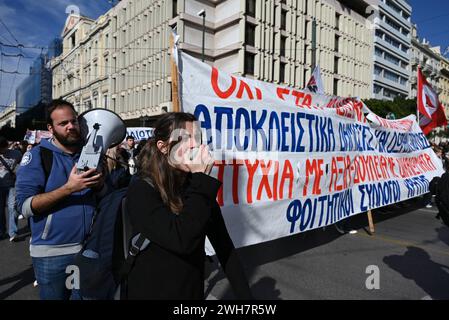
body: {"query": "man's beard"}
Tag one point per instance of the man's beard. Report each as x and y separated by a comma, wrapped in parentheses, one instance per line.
(71, 140)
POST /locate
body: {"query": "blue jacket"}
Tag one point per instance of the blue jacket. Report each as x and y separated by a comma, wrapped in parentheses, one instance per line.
(69, 221)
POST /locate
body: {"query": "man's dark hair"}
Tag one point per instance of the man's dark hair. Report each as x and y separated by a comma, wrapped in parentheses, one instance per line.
(55, 104)
(130, 137)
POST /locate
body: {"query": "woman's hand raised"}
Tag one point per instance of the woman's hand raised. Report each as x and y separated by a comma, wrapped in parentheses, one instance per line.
(199, 159)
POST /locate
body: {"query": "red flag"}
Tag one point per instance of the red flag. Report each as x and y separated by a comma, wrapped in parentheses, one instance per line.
(431, 111)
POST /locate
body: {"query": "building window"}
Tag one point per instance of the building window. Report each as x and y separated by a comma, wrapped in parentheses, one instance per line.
(335, 87)
(249, 63)
(283, 19)
(73, 41)
(379, 34)
(377, 70)
(304, 79)
(377, 89)
(390, 94)
(122, 103)
(283, 42)
(392, 59)
(406, 16)
(337, 21)
(305, 53)
(392, 24)
(250, 34)
(283, 66)
(105, 99)
(393, 6)
(391, 76)
(336, 62)
(306, 29)
(392, 41)
(251, 8)
(337, 43)
(378, 52)
(175, 8)
(106, 67)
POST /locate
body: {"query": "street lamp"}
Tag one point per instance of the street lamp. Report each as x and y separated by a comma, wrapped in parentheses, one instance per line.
(202, 13)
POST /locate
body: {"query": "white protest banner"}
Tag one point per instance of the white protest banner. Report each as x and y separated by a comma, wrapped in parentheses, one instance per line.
(139, 133)
(292, 161)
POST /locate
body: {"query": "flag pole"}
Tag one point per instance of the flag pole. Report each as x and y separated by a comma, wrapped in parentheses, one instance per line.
(417, 88)
(174, 76)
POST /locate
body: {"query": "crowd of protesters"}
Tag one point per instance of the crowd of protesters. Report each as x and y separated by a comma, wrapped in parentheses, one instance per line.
(442, 150)
(10, 157)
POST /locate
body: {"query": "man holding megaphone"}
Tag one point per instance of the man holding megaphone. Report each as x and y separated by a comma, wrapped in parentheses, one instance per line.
(59, 199)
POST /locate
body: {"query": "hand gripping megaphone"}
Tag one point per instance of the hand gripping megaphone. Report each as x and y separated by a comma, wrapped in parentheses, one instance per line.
(101, 129)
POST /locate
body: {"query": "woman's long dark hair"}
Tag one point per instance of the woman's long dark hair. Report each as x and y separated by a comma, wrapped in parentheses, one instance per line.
(154, 164)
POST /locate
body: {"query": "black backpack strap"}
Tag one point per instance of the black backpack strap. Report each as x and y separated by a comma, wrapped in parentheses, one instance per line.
(47, 161)
(149, 181)
(132, 248)
(138, 244)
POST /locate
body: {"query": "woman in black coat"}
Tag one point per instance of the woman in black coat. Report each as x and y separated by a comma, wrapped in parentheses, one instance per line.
(173, 204)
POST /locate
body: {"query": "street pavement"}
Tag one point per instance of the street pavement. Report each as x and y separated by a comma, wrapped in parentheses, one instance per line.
(409, 249)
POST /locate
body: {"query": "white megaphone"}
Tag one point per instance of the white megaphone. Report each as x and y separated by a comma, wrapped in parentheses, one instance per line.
(101, 129)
